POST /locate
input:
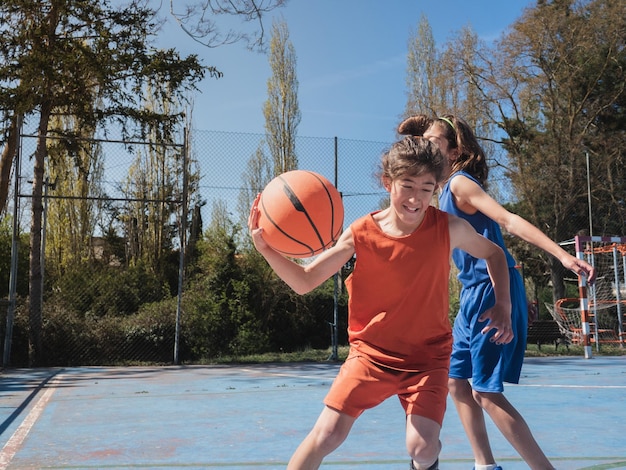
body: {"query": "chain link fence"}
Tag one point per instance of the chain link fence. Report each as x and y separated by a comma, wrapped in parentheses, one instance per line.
(111, 236)
(111, 222)
(113, 277)
(350, 164)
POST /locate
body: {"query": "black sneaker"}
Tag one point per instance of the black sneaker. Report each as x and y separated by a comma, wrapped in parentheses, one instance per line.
(434, 466)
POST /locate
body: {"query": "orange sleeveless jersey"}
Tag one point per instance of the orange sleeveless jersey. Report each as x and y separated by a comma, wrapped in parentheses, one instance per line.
(398, 294)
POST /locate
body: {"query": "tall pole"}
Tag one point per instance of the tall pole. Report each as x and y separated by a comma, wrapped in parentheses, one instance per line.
(334, 356)
(592, 287)
(181, 259)
(8, 334)
(46, 185)
(589, 195)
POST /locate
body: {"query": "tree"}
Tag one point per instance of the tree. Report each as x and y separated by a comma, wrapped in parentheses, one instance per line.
(564, 66)
(281, 110)
(426, 93)
(548, 93)
(256, 176)
(153, 186)
(554, 86)
(437, 85)
(87, 60)
(76, 173)
(198, 20)
(11, 142)
(282, 117)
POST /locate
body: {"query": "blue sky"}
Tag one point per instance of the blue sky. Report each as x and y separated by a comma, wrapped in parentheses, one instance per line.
(351, 63)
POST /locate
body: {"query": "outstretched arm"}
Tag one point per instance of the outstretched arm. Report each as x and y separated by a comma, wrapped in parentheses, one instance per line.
(470, 198)
(464, 237)
(301, 278)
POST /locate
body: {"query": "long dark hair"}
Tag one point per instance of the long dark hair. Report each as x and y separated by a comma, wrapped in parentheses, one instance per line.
(459, 136)
(472, 156)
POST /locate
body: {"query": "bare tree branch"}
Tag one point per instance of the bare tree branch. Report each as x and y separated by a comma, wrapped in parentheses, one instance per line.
(199, 21)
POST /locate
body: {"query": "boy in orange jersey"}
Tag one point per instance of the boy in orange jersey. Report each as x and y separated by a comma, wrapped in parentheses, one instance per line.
(398, 328)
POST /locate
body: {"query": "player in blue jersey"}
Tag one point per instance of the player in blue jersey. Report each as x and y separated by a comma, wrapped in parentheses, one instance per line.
(475, 355)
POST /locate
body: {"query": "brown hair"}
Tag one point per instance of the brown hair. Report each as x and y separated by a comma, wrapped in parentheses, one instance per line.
(472, 157)
(412, 156)
(459, 136)
(415, 125)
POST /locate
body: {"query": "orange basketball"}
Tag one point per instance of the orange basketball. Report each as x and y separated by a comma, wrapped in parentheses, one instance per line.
(301, 214)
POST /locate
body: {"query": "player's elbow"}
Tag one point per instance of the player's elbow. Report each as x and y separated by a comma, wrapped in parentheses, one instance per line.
(301, 290)
(303, 286)
(496, 258)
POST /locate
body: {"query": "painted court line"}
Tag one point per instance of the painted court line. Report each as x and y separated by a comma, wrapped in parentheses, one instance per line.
(17, 439)
(292, 375)
(599, 387)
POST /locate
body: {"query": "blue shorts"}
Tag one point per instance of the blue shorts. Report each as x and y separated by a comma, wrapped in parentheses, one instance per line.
(475, 357)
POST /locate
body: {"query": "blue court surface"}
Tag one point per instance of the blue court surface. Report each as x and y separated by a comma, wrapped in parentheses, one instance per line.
(254, 416)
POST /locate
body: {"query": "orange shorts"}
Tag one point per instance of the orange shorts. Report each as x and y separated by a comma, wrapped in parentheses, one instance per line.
(362, 384)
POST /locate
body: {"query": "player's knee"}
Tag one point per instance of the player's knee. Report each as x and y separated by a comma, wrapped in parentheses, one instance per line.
(485, 400)
(453, 387)
(327, 439)
(424, 452)
(458, 389)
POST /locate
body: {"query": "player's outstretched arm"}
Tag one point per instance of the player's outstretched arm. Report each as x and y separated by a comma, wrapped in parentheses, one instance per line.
(471, 196)
(464, 237)
(302, 278)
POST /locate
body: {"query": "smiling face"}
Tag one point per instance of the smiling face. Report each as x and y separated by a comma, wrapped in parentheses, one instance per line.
(410, 172)
(410, 196)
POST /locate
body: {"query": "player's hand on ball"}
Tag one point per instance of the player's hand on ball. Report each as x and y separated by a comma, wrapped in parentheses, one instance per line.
(253, 226)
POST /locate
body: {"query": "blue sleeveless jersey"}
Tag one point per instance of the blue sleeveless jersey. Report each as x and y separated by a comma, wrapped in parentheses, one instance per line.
(472, 270)
(473, 354)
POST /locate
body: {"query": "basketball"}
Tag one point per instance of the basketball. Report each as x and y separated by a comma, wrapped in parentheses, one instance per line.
(301, 214)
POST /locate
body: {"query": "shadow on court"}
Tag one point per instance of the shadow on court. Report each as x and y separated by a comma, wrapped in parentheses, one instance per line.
(254, 416)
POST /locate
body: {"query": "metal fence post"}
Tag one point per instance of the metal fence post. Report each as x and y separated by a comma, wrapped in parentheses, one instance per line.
(8, 336)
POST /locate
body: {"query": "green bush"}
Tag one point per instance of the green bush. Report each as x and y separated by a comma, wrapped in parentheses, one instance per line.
(6, 241)
(71, 339)
(19, 338)
(101, 290)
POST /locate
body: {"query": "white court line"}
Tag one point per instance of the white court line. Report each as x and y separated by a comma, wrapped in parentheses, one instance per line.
(268, 374)
(288, 375)
(19, 436)
(569, 386)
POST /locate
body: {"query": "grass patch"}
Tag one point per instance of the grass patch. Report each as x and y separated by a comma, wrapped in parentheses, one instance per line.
(306, 355)
(324, 355)
(548, 350)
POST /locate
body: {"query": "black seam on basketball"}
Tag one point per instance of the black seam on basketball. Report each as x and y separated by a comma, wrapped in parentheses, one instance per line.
(297, 204)
(333, 237)
(308, 248)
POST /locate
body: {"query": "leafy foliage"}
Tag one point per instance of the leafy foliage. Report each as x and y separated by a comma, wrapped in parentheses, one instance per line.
(5, 259)
(94, 290)
(545, 97)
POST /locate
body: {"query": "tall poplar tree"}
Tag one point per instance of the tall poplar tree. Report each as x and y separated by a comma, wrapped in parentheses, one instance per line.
(436, 86)
(425, 93)
(75, 173)
(281, 110)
